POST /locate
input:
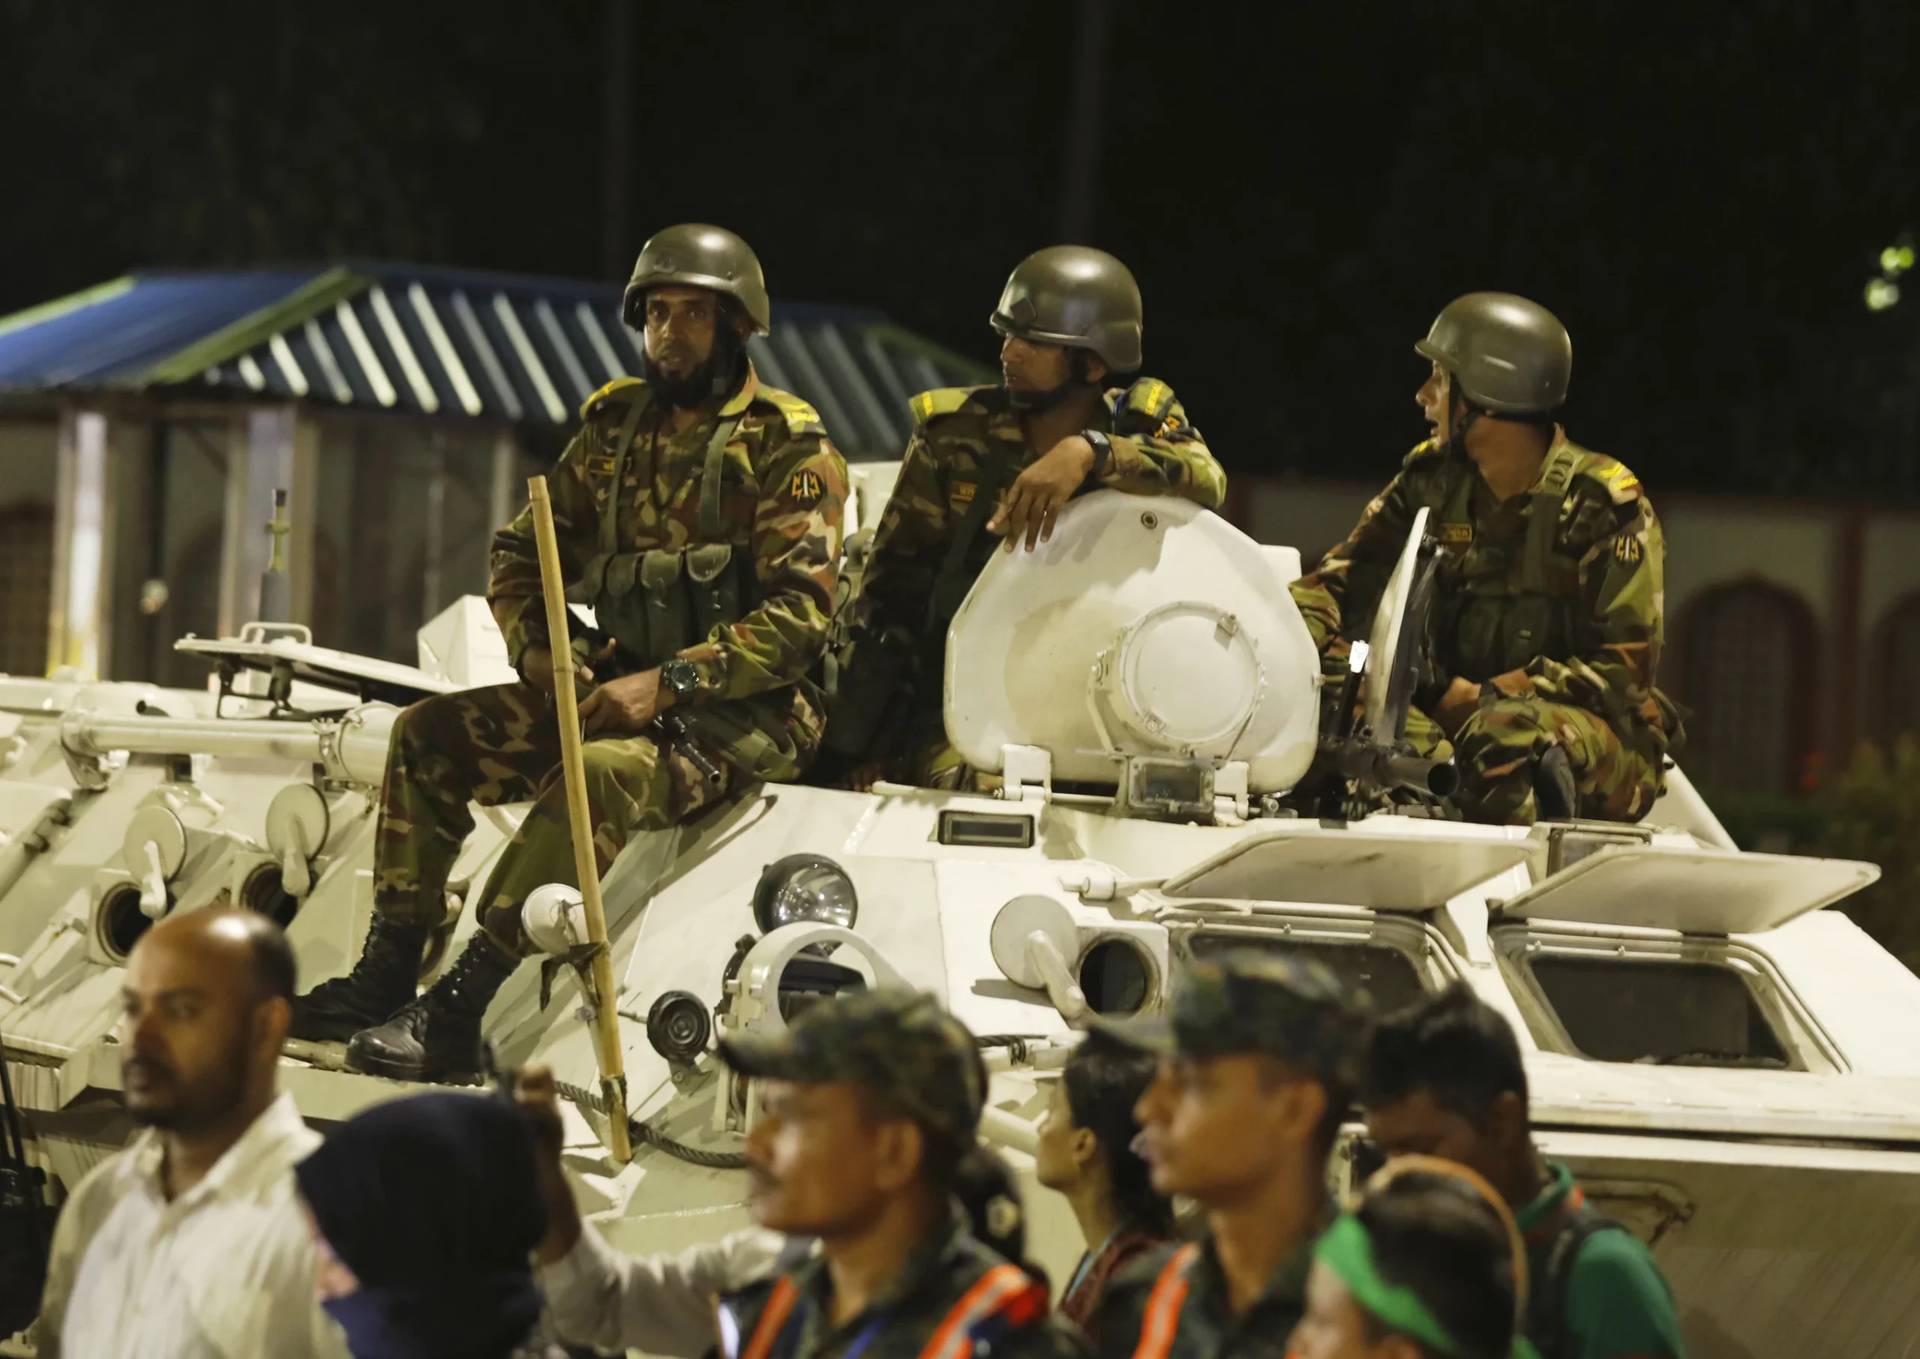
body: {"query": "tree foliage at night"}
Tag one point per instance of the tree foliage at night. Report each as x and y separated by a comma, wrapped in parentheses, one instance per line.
(1702, 193)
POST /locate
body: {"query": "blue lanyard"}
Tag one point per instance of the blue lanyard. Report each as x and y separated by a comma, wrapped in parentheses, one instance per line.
(866, 1336)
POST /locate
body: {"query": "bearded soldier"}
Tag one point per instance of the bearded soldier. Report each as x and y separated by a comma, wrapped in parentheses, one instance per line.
(700, 513)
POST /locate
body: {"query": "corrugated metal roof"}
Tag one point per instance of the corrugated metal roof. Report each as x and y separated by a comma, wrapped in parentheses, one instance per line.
(440, 342)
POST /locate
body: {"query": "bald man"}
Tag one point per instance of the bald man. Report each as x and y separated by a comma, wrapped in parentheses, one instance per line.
(191, 1242)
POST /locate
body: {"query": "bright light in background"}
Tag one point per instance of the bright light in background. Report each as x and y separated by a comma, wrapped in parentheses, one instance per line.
(1884, 292)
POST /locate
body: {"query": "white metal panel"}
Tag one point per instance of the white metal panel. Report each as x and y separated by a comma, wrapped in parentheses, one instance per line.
(1695, 891)
(1384, 869)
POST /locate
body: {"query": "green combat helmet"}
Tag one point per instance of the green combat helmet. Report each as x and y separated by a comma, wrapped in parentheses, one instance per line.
(1076, 296)
(1504, 353)
(698, 256)
(900, 1044)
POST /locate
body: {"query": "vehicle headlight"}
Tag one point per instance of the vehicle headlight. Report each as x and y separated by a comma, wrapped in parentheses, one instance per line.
(804, 887)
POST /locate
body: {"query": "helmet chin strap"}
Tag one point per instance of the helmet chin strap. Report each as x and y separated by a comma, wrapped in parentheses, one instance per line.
(1457, 435)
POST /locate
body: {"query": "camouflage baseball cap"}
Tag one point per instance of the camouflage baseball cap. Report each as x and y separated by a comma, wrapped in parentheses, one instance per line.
(902, 1045)
(1252, 1001)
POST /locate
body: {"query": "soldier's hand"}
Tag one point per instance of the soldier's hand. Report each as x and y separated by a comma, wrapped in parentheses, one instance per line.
(863, 776)
(1456, 705)
(624, 705)
(534, 1095)
(536, 668)
(1033, 502)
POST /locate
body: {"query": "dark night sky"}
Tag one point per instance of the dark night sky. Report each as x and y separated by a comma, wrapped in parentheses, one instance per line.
(1700, 190)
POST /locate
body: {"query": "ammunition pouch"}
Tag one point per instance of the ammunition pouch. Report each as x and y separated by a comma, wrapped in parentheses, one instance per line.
(658, 603)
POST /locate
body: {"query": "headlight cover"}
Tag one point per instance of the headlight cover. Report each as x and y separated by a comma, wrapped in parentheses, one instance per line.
(804, 887)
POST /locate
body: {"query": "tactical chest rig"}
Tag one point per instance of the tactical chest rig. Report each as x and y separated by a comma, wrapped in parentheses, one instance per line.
(1500, 610)
(657, 602)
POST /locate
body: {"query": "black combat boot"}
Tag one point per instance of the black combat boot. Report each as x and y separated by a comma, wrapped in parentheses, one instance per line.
(437, 1037)
(380, 983)
(1555, 797)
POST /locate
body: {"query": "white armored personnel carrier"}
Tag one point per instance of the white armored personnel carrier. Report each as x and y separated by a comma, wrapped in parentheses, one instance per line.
(1731, 1068)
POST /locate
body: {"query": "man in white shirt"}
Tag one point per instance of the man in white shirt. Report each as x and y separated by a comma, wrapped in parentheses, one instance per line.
(191, 1243)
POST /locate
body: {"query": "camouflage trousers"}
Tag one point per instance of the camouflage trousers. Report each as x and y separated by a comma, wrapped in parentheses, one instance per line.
(502, 744)
(1499, 745)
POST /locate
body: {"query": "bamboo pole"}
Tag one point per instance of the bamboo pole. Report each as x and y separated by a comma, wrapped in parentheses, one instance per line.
(606, 1022)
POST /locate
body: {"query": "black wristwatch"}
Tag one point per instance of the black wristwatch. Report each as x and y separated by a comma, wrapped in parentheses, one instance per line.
(1102, 452)
(682, 677)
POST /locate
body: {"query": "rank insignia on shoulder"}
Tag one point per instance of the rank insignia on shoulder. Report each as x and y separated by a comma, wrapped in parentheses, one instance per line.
(805, 486)
(1628, 551)
(963, 492)
(1454, 535)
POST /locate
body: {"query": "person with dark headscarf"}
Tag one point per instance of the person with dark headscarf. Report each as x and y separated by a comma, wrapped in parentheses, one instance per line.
(428, 1211)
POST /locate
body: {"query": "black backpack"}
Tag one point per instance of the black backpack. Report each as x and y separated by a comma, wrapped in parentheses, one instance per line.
(26, 1222)
(1547, 1296)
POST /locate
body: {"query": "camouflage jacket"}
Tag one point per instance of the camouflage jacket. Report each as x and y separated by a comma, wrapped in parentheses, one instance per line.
(784, 487)
(1206, 1327)
(1010, 1322)
(1595, 645)
(967, 444)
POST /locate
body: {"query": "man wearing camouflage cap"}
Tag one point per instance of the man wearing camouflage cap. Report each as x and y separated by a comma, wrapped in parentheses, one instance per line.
(1002, 460)
(867, 1106)
(1256, 1073)
(1547, 621)
(700, 513)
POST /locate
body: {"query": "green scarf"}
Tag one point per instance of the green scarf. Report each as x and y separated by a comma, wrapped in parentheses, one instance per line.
(1347, 1250)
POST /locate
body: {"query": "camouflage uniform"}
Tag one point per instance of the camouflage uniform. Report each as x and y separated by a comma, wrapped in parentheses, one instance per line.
(1174, 1302)
(911, 1055)
(966, 449)
(1551, 601)
(780, 494)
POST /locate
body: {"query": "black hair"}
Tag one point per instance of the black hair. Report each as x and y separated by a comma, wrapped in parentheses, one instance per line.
(1103, 1081)
(990, 1195)
(1434, 1235)
(1454, 1046)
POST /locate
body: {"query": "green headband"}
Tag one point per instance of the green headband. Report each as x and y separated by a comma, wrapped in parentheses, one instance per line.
(1347, 1250)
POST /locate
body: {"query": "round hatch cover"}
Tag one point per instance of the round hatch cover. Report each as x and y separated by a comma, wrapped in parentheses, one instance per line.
(1187, 675)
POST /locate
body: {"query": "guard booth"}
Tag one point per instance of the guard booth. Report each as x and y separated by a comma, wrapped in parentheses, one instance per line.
(145, 424)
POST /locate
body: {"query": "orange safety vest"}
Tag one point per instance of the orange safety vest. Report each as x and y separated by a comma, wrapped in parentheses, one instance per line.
(1005, 1291)
(1162, 1319)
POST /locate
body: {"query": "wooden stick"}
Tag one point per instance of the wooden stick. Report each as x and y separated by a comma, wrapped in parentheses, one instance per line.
(606, 1022)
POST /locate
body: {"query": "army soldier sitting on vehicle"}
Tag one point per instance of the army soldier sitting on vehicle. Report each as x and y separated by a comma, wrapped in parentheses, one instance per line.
(1002, 460)
(869, 1106)
(700, 511)
(1255, 1076)
(1548, 607)
(1444, 1078)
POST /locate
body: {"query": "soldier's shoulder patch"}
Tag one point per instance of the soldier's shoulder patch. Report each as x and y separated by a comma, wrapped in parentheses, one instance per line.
(941, 401)
(1148, 397)
(620, 390)
(1628, 550)
(1612, 477)
(805, 487)
(799, 413)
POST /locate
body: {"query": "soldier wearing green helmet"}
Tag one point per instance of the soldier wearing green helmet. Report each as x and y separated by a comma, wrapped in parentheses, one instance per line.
(699, 511)
(1548, 612)
(988, 464)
